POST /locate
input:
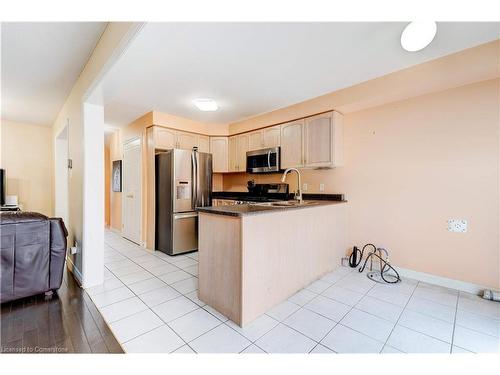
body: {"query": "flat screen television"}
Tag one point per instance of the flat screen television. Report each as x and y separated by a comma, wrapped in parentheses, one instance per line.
(2, 187)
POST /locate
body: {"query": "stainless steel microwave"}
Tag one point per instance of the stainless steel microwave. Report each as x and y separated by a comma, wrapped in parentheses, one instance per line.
(266, 160)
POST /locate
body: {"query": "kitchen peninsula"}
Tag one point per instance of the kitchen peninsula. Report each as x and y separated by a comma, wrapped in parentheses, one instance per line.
(264, 253)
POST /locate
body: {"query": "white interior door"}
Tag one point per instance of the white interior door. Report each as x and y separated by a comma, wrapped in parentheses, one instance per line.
(131, 195)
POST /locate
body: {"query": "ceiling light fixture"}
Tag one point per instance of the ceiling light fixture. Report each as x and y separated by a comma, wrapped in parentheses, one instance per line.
(418, 35)
(206, 105)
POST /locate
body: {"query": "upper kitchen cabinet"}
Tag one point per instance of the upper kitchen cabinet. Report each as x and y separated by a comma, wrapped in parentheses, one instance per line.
(264, 138)
(272, 136)
(203, 143)
(233, 154)
(238, 147)
(323, 140)
(314, 142)
(292, 144)
(219, 150)
(255, 140)
(165, 138)
(243, 147)
(186, 141)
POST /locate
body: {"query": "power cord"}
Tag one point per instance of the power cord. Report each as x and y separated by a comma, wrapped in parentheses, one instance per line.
(386, 273)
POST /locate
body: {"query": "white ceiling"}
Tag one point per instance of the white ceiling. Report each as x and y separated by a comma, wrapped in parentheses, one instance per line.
(252, 68)
(40, 64)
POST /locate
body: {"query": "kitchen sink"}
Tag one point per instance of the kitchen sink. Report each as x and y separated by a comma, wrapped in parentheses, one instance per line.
(287, 203)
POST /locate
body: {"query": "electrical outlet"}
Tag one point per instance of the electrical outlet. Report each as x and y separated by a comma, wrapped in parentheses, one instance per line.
(321, 187)
(457, 225)
(304, 187)
(74, 249)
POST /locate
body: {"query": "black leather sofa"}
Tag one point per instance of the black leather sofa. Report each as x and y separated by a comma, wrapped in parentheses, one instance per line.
(32, 254)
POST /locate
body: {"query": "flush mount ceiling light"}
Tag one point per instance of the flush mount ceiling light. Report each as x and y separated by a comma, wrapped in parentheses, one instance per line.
(418, 35)
(206, 105)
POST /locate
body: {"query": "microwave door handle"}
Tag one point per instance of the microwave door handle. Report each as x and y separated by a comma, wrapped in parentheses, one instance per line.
(269, 159)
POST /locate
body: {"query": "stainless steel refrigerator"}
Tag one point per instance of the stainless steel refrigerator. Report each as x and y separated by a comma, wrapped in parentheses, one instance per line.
(183, 182)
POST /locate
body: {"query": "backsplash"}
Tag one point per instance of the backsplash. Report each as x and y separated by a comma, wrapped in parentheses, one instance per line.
(313, 179)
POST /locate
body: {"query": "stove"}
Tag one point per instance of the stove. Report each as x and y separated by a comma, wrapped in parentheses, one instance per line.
(257, 193)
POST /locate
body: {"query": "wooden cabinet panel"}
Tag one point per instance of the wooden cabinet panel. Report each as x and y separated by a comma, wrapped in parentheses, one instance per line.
(272, 136)
(255, 141)
(238, 147)
(222, 202)
(233, 153)
(165, 138)
(292, 139)
(203, 143)
(186, 141)
(219, 150)
(241, 152)
(318, 141)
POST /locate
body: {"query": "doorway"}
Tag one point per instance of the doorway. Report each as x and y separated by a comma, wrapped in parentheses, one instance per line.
(132, 192)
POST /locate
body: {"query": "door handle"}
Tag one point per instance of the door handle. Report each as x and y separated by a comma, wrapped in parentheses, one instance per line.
(185, 216)
(194, 180)
(129, 195)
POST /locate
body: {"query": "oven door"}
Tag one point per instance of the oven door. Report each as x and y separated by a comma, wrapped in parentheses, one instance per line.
(263, 161)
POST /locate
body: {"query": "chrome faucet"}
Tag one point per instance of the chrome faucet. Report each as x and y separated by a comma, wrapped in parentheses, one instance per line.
(298, 193)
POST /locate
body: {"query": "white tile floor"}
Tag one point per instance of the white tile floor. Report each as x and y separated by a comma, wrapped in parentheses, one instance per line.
(150, 302)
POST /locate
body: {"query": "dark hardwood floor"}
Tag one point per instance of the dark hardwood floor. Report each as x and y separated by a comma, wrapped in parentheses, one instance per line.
(67, 322)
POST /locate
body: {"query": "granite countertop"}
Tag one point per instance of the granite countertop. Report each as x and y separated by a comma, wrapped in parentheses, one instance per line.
(253, 209)
(240, 195)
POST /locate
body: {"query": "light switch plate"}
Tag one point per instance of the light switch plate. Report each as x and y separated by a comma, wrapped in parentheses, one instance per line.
(304, 187)
(321, 187)
(457, 225)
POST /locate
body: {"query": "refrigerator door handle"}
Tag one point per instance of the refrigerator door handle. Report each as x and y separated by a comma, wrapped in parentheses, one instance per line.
(194, 179)
(185, 215)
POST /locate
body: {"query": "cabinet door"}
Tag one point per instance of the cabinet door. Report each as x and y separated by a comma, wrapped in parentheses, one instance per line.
(219, 150)
(255, 141)
(203, 143)
(186, 141)
(241, 152)
(318, 141)
(272, 136)
(292, 136)
(165, 138)
(233, 153)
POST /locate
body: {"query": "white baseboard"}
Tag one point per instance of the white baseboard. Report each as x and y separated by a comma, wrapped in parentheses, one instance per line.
(74, 270)
(441, 281)
(114, 230)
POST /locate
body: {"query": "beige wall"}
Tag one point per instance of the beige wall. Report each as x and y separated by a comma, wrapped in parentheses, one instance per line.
(476, 64)
(27, 158)
(107, 184)
(115, 198)
(412, 165)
